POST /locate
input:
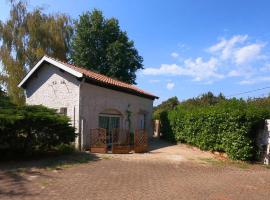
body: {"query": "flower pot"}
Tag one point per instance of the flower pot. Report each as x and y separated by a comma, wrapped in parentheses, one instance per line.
(121, 149)
(140, 149)
(98, 149)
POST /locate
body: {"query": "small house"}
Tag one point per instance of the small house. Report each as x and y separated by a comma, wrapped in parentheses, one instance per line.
(89, 99)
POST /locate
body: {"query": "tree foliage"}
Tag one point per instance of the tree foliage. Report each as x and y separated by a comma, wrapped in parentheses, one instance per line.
(228, 125)
(167, 105)
(27, 130)
(25, 37)
(100, 45)
(205, 99)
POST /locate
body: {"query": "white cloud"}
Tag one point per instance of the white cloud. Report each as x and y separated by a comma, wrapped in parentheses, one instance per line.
(248, 53)
(254, 80)
(234, 73)
(246, 82)
(202, 70)
(265, 68)
(154, 81)
(174, 55)
(237, 49)
(165, 69)
(225, 48)
(237, 56)
(170, 86)
(197, 68)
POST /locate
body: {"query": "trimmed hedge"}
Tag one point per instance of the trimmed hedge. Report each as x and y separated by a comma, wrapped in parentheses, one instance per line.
(27, 130)
(229, 126)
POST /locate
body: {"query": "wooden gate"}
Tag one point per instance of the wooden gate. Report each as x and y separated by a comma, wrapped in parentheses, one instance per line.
(120, 141)
(140, 141)
(98, 140)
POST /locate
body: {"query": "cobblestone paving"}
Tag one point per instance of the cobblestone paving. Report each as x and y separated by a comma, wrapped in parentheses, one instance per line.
(117, 178)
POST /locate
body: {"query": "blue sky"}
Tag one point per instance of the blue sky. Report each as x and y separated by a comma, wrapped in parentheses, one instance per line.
(189, 46)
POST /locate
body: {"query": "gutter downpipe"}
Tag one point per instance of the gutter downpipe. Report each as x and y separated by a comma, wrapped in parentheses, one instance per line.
(80, 117)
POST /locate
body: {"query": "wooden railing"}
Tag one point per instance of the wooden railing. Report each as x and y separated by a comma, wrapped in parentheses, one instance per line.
(120, 141)
(98, 140)
(140, 141)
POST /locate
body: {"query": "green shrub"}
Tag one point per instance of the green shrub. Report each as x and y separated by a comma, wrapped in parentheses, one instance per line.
(65, 148)
(165, 127)
(25, 130)
(229, 126)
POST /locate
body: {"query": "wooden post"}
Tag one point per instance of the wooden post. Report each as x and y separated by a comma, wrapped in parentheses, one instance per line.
(157, 128)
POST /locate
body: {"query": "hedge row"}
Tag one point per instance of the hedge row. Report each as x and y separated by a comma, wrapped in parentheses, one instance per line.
(229, 126)
(26, 130)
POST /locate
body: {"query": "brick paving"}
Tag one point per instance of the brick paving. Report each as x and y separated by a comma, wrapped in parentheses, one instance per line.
(118, 178)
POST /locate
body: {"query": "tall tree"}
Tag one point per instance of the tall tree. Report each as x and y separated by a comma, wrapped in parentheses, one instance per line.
(205, 99)
(100, 45)
(24, 38)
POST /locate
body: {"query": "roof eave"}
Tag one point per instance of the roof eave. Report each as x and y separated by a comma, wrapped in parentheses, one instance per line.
(117, 88)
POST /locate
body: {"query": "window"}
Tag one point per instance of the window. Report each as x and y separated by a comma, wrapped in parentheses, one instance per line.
(63, 111)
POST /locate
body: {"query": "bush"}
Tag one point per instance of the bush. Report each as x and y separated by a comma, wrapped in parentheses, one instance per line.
(229, 126)
(26, 130)
(65, 148)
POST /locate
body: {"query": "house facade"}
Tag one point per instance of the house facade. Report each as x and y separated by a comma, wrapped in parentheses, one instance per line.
(89, 99)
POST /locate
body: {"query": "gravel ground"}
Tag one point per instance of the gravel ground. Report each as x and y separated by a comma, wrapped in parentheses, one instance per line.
(166, 172)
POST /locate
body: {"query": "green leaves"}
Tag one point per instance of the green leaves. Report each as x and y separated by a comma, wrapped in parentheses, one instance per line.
(25, 130)
(101, 46)
(229, 126)
(24, 38)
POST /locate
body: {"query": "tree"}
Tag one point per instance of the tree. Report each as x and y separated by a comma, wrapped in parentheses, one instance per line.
(100, 45)
(205, 99)
(170, 103)
(24, 38)
(167, 105)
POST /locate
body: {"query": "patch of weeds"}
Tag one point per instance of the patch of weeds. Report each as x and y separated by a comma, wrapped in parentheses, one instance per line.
(105, 157)
(213, 161)
(240, 164)
(44, 183)
(66, 161)
(267, 166)
(21, 170)
(233, 163)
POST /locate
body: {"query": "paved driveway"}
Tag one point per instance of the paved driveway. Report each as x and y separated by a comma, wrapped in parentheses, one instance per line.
(167, 172)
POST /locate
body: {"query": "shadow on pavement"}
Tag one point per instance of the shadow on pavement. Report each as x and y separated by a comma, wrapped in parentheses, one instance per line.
(156, 143)
(16, 175)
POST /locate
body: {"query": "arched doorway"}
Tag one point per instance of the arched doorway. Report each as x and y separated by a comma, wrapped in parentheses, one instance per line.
(110, 119)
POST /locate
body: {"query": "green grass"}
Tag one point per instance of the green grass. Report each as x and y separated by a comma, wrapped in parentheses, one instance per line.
(216, 162)
(213, 161)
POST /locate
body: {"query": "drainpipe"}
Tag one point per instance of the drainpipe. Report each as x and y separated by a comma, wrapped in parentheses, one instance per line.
(80, 133)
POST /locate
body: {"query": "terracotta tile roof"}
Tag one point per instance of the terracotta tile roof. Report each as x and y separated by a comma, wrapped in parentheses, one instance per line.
(107, 81)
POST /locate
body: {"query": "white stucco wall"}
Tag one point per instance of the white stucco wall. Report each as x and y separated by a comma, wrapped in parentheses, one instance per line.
(54, 89)
(95, 99)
